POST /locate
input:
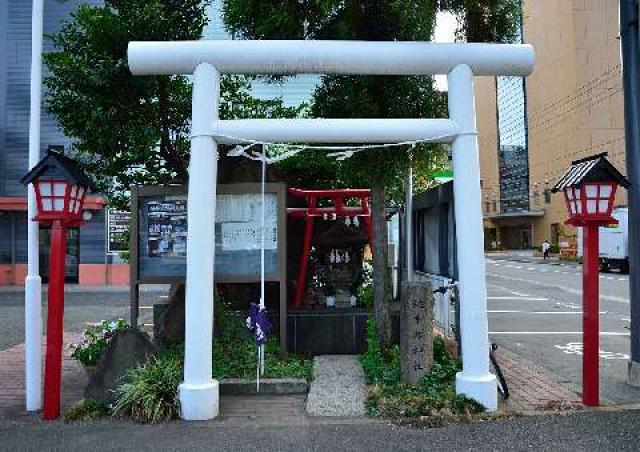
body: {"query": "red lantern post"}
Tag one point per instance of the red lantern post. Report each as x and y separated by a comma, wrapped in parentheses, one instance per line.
(60, 188)
(590, 188)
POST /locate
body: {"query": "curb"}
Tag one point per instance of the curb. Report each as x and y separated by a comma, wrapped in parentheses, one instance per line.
(268, 386)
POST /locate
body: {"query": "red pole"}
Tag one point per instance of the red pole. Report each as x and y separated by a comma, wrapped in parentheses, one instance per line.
(53, 363)
(304, 260)
(591, 316)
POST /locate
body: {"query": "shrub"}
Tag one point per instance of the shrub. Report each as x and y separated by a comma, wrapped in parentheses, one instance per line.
(87, 409)
(151, 395)
(95, 340)
(433, 400)
(378, 369)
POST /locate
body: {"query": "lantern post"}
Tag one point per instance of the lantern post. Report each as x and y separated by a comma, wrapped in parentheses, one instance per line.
(60, 188)
(589, 188)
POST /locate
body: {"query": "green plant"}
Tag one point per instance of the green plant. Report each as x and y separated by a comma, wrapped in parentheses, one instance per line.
(87, 409)
(433, 400)
(95, 340)
(151, 395)
(376, 367)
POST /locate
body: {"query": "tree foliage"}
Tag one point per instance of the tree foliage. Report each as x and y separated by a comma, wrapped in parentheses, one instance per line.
(132, 129)
(486, 20)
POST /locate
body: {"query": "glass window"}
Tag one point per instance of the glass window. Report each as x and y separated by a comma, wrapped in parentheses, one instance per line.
(513, 155)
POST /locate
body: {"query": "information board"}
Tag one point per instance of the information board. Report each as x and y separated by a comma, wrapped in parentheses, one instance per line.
(118, 224)
(162, 229)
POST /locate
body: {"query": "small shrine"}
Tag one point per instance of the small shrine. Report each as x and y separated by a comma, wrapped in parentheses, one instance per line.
(337, 227)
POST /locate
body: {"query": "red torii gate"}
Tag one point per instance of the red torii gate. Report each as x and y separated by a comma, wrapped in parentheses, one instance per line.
(338, 208)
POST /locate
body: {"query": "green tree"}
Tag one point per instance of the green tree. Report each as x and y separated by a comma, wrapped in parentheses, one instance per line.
(130, 129)
(486, 20)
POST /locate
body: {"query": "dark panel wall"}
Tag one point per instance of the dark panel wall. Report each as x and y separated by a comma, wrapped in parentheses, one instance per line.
(6, 242)
(92, 239)
(15, 65)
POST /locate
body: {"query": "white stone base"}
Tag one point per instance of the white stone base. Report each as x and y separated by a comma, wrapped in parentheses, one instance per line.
(481, 388)
(634, 374)
(199, 402)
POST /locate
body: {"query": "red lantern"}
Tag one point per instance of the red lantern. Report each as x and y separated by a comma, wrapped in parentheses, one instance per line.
(590, 202)
(589, 188)
(60, 187)
(59, 199)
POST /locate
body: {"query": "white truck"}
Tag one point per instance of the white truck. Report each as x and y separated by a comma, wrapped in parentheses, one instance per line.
(614, 242)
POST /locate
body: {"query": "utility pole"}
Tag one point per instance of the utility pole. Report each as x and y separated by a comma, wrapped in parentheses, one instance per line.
(631, 79)
(33, 285)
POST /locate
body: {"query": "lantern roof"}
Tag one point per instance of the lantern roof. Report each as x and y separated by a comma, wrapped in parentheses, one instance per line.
(57, 165)
(590, 169)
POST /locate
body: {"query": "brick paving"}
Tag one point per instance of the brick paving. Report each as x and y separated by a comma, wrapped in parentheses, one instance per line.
(12, 379)
(531, 388)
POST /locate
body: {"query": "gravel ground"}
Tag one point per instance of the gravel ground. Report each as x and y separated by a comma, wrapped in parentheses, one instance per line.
(338, 388)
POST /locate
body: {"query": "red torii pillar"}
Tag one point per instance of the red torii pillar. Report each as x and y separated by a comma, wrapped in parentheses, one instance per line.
(339, 209)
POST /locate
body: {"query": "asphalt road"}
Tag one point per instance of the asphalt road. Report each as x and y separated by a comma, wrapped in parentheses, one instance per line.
(535, 310)
(571, 432)
(82, 306)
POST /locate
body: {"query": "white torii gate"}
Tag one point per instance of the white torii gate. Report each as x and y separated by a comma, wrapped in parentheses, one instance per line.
(206, 60)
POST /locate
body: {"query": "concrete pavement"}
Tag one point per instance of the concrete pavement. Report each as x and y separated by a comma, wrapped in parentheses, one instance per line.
(82, 305)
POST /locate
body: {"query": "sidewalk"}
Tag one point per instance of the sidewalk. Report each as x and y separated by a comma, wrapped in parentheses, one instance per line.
(525, 256)
(77, 288)
(532, 388)
(12, 380)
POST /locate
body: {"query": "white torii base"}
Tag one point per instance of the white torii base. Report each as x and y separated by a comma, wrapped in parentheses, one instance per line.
(199, 395)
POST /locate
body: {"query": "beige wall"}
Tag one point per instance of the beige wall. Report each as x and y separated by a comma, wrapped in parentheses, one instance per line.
(574, 98)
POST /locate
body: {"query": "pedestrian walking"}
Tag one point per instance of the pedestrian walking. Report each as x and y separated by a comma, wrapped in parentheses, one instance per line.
(545, 249)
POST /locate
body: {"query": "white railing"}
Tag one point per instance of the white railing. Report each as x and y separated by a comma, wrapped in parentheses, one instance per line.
(444, 315)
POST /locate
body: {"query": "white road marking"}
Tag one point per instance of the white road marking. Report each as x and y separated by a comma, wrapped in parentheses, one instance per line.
(551, 333)
(542, 312)
(525, 298)
(577, 348)
(530, 269)
(558, 287)
(564, 304)
(622, 279)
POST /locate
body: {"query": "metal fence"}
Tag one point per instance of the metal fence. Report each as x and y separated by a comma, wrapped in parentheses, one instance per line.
(444, 312)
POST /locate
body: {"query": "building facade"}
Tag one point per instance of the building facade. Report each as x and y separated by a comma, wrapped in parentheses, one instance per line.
(88, 260)
(532, 129)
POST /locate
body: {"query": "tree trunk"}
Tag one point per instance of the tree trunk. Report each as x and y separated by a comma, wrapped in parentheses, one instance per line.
(381, 288)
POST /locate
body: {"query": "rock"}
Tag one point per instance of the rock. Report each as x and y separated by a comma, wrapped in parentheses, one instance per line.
(416, 331)
(126, 350)
(170, 328)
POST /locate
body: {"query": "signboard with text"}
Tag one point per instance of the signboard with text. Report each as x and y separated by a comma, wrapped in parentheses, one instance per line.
(162, 229)
(118, 223)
